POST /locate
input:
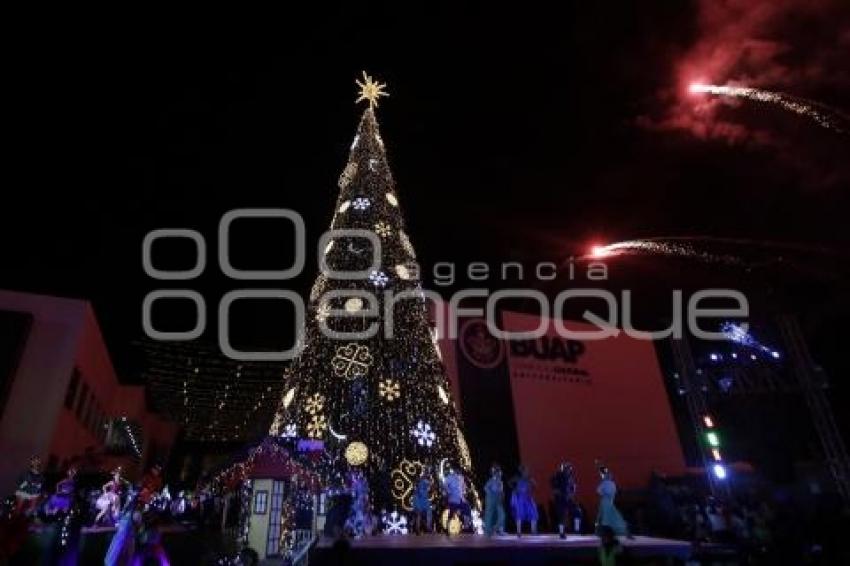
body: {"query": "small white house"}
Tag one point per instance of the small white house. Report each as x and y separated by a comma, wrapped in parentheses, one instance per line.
(272, 513)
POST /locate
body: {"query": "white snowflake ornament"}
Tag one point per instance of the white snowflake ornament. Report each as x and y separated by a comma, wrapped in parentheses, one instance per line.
(379, 279)
(394, 523)
(423, 434)
(361, 203)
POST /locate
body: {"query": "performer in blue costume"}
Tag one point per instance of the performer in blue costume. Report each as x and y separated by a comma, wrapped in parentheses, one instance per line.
(123, 545)
(454, 486)
(523, 506)
(63, 499)
(494, 499)
(360, 519)
(609, 515)
(422, 502)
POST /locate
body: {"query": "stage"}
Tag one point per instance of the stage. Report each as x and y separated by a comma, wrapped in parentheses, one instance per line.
(478, 549)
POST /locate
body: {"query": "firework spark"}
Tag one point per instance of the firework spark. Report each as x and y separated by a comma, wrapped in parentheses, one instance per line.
(821, 114)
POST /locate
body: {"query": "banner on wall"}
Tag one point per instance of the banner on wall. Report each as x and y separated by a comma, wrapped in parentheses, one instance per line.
(553, 399)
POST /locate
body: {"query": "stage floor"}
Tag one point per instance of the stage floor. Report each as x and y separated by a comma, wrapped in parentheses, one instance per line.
(479, 549)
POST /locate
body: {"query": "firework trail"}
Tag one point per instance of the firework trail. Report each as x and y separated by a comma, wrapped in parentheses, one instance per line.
(788, 246)
(821, 114)
(681, 246)
(660, 246)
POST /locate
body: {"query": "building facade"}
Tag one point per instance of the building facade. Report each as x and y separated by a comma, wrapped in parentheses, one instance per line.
(60, 398)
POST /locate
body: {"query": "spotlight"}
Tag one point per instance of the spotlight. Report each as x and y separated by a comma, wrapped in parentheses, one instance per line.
(719, 471)
(775, 355)
(714, 357)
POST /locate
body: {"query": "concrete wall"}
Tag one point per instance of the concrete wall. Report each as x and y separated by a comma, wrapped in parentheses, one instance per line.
(38, 388)
(64, 335)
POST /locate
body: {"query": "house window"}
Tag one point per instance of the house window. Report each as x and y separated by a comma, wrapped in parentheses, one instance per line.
(261, 502)
(73, 385)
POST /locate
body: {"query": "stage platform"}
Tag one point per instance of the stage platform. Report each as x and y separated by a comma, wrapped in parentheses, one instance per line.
(437, 550)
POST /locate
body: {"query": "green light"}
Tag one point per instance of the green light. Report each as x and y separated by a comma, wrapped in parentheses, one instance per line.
(712, 438)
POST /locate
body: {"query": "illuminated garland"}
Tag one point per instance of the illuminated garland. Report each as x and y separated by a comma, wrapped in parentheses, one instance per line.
(246, 495)
(212, 397)
(307, 472)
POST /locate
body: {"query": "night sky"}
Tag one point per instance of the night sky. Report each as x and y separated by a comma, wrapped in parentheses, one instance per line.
(513, 134)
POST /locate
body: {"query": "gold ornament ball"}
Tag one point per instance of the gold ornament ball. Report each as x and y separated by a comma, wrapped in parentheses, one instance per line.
(452, 524)
(354, 304)
(356, 453)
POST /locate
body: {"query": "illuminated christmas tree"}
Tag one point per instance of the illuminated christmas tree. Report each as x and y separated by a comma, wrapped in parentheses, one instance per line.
(380, 403)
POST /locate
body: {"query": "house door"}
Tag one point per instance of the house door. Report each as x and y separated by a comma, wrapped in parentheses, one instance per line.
(275, 517)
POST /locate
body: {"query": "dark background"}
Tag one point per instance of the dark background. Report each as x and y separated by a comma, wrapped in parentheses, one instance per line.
(514, 134)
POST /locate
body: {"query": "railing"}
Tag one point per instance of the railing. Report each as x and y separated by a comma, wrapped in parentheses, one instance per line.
(303, 540)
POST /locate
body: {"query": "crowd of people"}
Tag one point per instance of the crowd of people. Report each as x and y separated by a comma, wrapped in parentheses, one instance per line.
(762, 523)
(133, 512)
(757, 528)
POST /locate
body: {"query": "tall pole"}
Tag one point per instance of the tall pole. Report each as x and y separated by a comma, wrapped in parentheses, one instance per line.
(694, 385)
(812, 383)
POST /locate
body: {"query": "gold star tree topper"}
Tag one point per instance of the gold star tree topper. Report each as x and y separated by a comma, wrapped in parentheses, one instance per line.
(371, 90)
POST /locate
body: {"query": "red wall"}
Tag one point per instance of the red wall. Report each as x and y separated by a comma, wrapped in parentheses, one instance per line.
(618, 412)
